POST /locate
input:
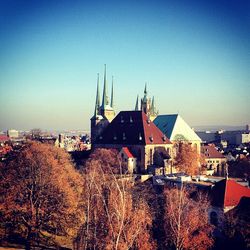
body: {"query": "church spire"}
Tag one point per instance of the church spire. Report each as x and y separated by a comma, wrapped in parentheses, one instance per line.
(97, 101)
(137, 104)
(145, 89)
(105, 96)
(153, 105)
(112, 93)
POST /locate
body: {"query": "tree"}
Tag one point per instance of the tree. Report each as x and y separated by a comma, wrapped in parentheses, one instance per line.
(40, 190)
(186, 220)
(188, 160)
(113, 218)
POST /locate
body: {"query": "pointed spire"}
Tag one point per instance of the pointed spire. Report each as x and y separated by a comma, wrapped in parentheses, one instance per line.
(112, 93)
(97, 101)
(137, 104)
(145, 89)
(153, 105)
(105, 97)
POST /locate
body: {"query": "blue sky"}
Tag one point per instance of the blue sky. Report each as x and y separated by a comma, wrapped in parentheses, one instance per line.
(194, 55)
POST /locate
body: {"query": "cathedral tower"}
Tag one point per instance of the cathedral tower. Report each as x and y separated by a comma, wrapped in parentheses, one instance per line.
(147, 106)
(103, 114)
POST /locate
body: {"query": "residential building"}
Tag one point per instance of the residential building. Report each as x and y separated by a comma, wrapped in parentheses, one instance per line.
(128, 160)
(216, 161)
(225, 195)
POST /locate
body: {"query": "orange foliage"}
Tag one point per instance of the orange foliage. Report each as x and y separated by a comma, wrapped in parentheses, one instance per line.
(186, 221)
(188, 159)
(40, 190)
(113, 219)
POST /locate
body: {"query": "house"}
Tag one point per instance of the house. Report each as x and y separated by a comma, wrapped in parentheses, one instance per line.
(225, 195)
(134, 130)
(215, 161)
(128, 160)
(176, 129)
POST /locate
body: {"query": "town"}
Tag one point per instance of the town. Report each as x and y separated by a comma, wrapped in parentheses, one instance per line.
(124, 125)
(156, 152)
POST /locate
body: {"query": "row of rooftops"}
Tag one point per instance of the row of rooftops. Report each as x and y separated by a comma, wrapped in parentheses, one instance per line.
(223, 193)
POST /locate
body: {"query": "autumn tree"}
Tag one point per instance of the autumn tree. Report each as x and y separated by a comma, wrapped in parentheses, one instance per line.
(187, 159)
(113, 218)
(186, 220)
(40, 190)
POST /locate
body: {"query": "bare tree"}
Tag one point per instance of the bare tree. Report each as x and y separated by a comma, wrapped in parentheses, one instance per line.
(113, 220)
(186, 220)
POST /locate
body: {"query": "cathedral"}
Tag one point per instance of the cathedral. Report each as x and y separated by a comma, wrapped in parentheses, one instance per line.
(104, 112)
(144, 139)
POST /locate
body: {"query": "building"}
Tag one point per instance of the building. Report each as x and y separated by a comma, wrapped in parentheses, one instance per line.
(225, 195)
(128, 160)
(103, 113)
(134, 130)
(176, 129)
(216, 161)
(12, 133)
(147, 106)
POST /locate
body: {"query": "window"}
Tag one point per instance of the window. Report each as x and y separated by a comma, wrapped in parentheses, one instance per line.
(151, 156)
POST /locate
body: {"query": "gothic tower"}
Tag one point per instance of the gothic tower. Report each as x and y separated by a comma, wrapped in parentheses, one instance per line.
(147, 106)
(146, 102)
(103, 114)
(106, 110)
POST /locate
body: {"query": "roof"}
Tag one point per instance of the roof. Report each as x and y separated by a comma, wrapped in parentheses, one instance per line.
(210, 152)
(175, 128)
(132, 128)
(226, 193)
(4, 138)
(127, 152)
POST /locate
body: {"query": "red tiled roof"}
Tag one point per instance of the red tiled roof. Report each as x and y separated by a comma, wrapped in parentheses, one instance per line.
(4, 138)
(132, 128)
(228, 193)
(210, 152)
(127, 152)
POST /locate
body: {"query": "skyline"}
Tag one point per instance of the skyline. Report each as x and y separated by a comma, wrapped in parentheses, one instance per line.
(194, 56)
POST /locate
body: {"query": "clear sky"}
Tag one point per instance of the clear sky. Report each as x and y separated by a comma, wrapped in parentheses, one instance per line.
(194, 55)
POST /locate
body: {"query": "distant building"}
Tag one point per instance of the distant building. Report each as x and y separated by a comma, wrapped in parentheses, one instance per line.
(207, 136)
(134, 130)
(12, 133)
(216, 161)
(176, 129)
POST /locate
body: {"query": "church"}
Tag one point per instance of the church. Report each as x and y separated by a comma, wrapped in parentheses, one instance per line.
(139, 135)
